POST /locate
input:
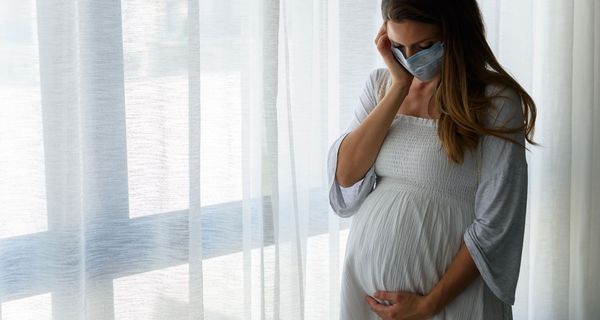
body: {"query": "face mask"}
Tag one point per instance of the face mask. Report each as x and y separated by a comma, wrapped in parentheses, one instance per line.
(424, 64)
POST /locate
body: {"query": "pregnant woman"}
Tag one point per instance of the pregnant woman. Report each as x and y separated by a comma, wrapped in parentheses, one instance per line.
(432, 169)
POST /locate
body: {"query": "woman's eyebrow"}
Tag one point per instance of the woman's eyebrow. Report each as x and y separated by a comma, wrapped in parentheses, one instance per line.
(398, 44)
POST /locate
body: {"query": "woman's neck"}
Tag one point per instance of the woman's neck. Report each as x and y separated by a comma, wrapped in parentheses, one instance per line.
(424, 89)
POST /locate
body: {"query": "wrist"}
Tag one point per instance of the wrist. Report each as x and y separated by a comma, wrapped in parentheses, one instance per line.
(399, 90)
(431, 304)
(399, 85)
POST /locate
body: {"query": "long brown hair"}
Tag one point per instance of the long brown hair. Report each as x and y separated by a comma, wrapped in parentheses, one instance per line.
(468, 66)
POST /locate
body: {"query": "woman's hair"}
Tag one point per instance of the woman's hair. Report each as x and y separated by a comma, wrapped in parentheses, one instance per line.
(468, 67)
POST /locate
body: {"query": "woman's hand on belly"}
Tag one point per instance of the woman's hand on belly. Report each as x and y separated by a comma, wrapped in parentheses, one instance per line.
(404, 306)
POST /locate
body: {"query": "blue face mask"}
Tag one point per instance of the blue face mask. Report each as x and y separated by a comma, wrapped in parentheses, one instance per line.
(424, 64)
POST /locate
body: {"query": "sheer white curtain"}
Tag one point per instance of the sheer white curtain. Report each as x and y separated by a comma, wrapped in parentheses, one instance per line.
(166, 159)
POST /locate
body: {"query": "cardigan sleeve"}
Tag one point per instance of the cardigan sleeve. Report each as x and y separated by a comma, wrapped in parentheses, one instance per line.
(345, 201)
(495, 237)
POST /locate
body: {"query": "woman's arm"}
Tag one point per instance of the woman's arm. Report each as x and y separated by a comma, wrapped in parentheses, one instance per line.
(368, 138)
(369, 135)
(460, 274)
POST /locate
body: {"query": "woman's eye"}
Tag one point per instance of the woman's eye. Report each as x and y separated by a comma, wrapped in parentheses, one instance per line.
(426, 47)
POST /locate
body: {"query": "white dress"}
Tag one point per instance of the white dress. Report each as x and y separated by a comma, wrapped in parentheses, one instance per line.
(406, 230)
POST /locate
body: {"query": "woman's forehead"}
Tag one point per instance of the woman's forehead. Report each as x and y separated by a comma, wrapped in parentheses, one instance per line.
(408, 32)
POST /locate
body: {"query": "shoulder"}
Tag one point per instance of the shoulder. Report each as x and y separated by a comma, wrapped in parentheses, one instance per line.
(505, 108)
(501, 91)
(380, 72)
(378, 82)
(377, 76)
(502, 155)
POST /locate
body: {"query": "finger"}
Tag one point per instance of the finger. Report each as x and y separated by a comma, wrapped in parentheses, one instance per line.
(385, 40)
(383, 43)
(382, 30)
(379, 34)
(372, 300)
(387, 295)
(380, 309)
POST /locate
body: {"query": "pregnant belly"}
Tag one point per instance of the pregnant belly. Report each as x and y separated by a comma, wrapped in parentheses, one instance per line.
(404, 240)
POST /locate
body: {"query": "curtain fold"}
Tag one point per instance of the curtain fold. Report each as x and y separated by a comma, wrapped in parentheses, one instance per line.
(194, 221)
(584, 257)
(166, 160)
